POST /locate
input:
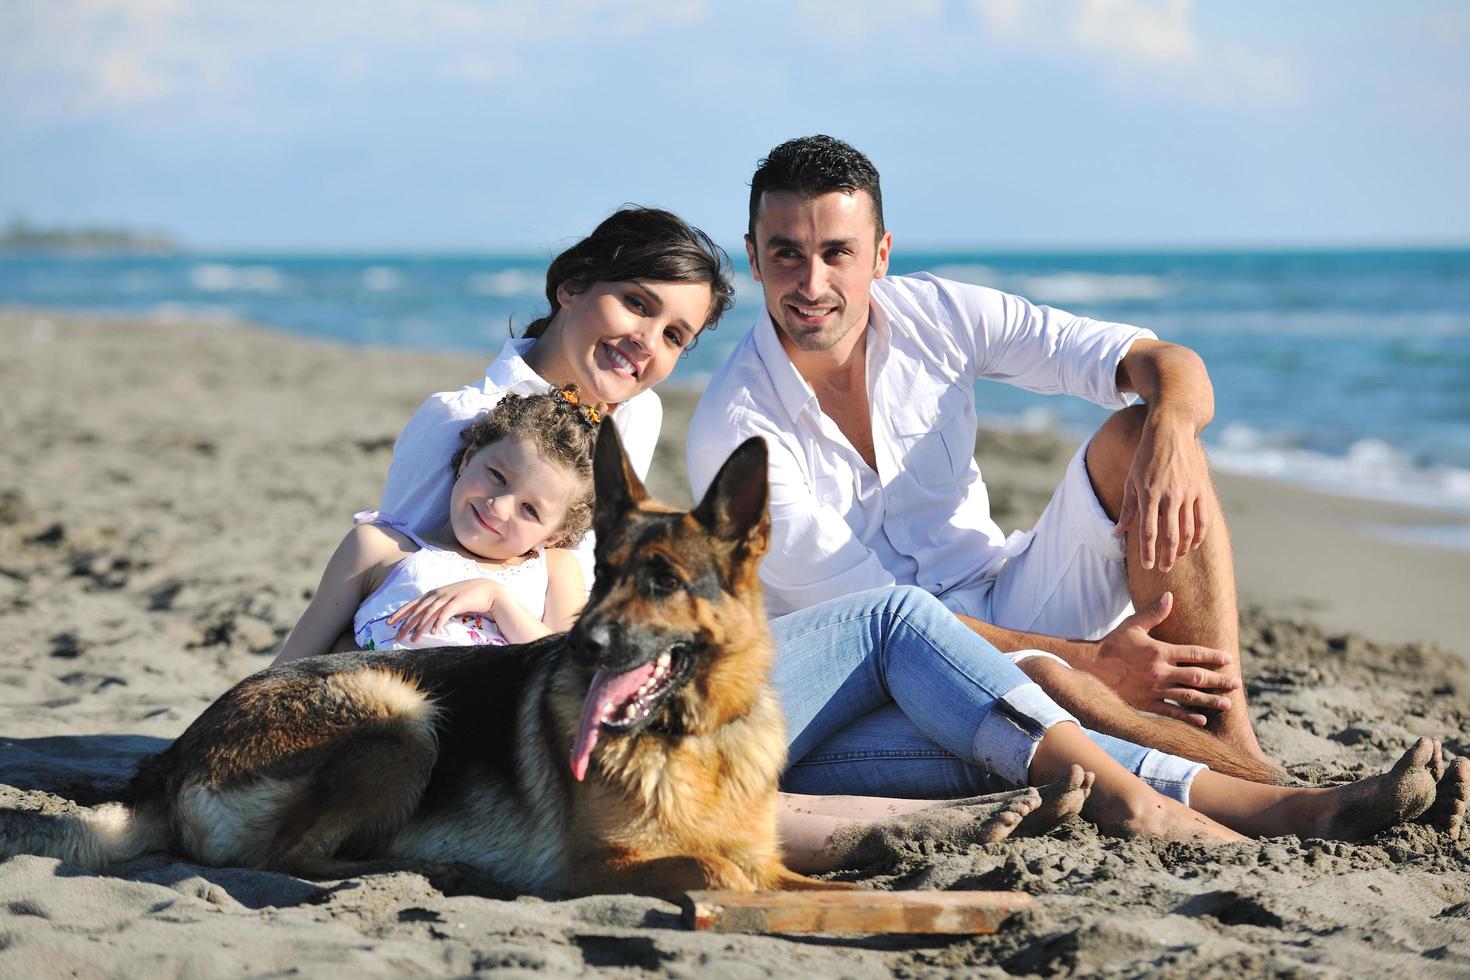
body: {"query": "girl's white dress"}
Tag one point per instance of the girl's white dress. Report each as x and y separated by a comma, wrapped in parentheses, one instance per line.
(429, 568)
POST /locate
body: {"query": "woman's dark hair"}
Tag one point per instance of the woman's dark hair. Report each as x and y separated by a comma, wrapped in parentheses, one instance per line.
(814, 165)
(646, 244)
(559, 426)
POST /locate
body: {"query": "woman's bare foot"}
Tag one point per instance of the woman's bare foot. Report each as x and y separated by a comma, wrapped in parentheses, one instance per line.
(1361, 809)
(1451, 799)
(953, 823)
(1142, 812)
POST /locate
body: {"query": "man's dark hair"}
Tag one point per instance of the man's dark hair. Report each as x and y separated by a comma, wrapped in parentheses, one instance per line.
(815, 165)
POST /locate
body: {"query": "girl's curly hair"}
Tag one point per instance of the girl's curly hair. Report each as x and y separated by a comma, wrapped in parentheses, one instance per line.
(560, 426)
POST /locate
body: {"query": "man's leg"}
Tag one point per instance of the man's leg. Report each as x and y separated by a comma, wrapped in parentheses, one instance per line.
(1205, 612)
(1100, 709)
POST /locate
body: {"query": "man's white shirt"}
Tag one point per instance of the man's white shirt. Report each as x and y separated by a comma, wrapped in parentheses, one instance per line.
(419, 478)
(923, 518)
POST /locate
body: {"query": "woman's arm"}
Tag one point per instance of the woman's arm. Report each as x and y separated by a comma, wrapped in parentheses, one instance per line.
(566, 590)
(345, 583)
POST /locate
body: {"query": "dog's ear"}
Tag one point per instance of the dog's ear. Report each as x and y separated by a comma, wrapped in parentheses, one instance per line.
(616, 487)
(734, 506)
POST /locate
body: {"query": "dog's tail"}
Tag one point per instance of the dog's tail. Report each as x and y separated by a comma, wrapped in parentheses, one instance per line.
(95, 837)
(88, 837)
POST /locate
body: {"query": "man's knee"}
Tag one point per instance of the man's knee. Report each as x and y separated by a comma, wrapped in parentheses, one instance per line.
(1110, 454)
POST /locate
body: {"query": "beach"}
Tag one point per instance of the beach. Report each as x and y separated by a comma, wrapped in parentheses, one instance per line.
(169, 493)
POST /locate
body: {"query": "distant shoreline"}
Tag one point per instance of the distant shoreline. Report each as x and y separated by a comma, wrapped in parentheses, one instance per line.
(20, 237)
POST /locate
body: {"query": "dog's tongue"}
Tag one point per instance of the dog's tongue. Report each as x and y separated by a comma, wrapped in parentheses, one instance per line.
(608, 693)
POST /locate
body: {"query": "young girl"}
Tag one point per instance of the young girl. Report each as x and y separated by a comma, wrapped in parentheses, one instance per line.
(495, 570)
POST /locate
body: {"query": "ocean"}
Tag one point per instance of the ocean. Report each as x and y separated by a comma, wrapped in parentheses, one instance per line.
(1347, 371)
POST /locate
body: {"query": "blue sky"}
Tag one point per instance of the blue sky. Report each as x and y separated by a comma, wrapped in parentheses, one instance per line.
(458, 124)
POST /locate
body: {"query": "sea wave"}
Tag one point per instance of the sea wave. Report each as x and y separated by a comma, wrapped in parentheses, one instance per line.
(505, 284)
(1369, 468)
(979, 275)
(217, 277)
(1061, 287)
(1088, 287)
(381, 278)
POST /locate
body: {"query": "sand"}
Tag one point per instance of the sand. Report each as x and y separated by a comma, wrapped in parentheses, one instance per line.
(169, 493)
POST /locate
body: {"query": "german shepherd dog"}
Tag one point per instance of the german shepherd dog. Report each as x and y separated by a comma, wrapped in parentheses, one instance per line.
(638, 753)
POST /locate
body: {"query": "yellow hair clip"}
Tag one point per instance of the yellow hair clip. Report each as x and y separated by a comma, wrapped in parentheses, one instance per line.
(572, 396)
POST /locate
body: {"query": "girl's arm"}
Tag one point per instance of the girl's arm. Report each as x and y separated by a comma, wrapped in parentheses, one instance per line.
(564, 596)
(345, 583)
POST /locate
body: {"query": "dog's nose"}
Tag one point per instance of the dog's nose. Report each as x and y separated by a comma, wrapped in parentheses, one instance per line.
(598, 639)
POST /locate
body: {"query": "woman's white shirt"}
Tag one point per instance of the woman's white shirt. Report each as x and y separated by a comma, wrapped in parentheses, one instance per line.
(420, 477)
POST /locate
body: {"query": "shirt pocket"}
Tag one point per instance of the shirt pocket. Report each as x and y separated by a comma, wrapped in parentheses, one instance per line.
(934, 435)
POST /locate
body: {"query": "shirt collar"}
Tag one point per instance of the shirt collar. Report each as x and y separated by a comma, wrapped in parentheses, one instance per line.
(510, 372)
(795, 393)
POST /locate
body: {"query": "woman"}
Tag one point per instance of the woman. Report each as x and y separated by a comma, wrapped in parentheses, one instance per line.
(956, 714)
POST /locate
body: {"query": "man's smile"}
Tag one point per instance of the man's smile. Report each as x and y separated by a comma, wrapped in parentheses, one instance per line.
(811, 315)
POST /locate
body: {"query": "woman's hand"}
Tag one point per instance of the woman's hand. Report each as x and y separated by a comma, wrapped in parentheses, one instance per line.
(431, 611)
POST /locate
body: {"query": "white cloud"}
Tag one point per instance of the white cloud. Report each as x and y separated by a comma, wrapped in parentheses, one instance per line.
(854, 20)
(1158, 33)
(83, 57)
(1152, 44)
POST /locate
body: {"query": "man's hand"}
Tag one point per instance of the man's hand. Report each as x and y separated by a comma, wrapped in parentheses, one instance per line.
(1145, 671)
(432, 610)
(1164, 492)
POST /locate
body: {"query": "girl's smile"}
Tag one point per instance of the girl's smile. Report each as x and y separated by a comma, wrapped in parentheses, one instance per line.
(508, 499)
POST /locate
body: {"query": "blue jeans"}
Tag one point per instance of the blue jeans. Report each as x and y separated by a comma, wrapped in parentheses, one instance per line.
(886, 693)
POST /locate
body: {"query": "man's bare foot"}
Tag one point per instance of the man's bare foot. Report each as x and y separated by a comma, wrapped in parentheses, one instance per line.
(953, 823)
(1361, 809)
(1061, 800)
(1451, 799)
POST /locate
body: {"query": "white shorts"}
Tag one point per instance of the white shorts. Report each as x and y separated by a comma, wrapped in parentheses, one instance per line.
(1067, 580)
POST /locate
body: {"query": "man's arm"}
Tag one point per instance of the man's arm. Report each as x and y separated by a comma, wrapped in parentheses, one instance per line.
(1146, 672)
(1169, 476)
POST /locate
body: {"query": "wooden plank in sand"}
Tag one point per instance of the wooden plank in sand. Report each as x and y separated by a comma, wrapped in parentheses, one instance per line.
(854, 912)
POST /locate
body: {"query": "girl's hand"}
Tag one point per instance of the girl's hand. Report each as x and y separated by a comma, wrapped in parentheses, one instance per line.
(432, 610)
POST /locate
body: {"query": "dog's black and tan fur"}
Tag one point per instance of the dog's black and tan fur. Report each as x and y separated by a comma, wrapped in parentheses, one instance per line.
(461, 754)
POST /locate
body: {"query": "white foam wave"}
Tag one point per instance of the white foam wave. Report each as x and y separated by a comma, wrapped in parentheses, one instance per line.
(217, 277)
(506, 284)
(381, 278)
(1087, 287)
(746, 288)
(1059, 287)
(978, 275)
(1370, 468)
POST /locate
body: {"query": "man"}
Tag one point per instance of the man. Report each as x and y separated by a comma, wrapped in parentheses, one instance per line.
(862, 387)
